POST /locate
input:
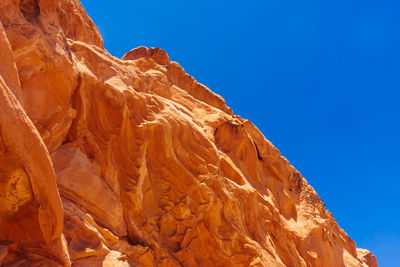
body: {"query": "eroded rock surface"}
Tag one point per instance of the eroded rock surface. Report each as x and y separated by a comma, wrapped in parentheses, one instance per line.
(132, 162)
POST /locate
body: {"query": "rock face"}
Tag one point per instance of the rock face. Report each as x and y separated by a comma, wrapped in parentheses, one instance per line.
(132, 162)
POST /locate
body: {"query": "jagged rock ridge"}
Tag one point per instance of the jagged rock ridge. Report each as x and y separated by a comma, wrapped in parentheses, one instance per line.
(132, 162)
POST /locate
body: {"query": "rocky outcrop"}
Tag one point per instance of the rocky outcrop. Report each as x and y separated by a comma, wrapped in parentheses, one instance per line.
(132, 162)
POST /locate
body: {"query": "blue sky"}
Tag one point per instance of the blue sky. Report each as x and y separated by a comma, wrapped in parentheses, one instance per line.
(321, 80)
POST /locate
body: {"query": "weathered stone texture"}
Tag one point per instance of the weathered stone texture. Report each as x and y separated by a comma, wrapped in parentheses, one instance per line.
(132, 162)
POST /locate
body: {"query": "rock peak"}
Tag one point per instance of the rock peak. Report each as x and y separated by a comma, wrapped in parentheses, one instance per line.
(157, 54)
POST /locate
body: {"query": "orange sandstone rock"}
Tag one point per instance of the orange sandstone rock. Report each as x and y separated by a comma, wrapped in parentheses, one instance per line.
(132, 162)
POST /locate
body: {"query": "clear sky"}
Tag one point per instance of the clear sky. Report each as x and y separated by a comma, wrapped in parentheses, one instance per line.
(320, 79)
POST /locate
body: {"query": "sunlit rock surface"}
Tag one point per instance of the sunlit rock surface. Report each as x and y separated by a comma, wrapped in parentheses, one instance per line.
(132, 162)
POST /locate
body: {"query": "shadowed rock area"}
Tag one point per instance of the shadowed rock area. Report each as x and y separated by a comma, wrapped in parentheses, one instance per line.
(132, 162)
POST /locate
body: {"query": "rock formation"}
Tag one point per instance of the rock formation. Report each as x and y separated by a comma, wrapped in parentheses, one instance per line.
(132, 162)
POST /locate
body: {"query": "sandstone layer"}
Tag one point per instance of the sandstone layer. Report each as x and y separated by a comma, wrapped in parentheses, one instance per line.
(132, 162)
